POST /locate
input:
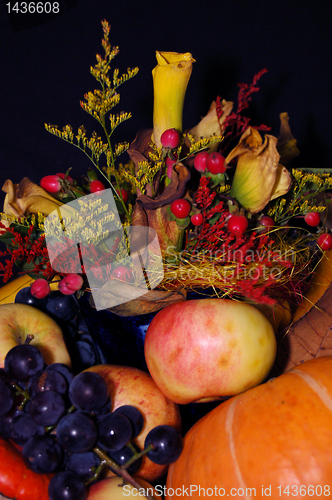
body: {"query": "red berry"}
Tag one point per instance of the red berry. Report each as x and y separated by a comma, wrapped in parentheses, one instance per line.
(237, 224)
(40, 288)
(64, 289)
(170, 138)
(125, 194)
(197, 219)
(51, 183)
(312, 219)
(267, 222)
(200, 161)
(216, 163)
(72, 281)
(69, 179)
(96, 186)
(122, 273)
(324, 241)
(181, 208)
(169, 164)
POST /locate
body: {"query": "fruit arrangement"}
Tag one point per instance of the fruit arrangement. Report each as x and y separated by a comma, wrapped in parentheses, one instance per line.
(213, 233)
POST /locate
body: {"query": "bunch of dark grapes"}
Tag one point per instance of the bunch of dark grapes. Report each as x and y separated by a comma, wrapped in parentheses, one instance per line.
(64, 309)
(65, 425)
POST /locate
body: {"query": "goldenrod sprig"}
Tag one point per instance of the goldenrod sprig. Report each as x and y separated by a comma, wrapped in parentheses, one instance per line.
(204, 143)
(98, 104)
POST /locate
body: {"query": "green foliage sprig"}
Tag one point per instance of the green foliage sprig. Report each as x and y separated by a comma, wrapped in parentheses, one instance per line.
(302, 198)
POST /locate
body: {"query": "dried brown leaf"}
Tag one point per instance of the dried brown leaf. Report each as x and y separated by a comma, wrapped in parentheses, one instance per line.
(287, 145)
(174, 190)
(27, 198)
(310, 335)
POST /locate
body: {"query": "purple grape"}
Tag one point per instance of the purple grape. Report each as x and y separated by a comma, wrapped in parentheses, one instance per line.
(24, 427)
(62, 307)
(105, 410)
(83, 463)
(76, 432)
(88, 391)
(42, 454)
(167, 444)
(49, 380)
(46, 408)
(3, 376)
(6, 423)
(115, 430)
(135, 416)
(24, 296)
(85, 354)
(23, 361)
(6, 398)
(63, 369)
(67, 485)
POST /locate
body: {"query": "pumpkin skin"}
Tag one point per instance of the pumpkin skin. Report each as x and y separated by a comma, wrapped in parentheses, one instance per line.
(278, 434)
(16, 480)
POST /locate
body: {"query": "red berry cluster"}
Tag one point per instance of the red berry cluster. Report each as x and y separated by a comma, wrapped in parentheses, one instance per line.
(181, 208)
(324, 240)
(312, 219)
(237, 224)
(96, 186)
(170, 138)
(70, 284)
(213, 162)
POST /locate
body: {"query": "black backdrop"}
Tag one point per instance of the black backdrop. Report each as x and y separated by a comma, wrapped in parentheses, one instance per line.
(45, 61)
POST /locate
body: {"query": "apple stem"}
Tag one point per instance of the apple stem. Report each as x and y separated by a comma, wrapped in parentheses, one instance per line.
(29, 338)
(120, 471)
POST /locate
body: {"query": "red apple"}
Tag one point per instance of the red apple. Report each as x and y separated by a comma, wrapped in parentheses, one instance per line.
(17, 321)
(130, 386)
(113, 488)
(201, 350)
(17, 481)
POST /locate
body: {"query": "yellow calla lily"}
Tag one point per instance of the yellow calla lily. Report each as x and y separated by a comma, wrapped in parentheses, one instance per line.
(258, 176)
(170, 80)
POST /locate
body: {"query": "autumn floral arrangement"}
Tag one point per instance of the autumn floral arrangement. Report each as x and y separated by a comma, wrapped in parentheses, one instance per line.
(232, 217)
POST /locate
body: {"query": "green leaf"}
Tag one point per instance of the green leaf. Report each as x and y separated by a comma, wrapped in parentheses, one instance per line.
(214, 219)
(7, 238)
(216, 178)
(183, 223)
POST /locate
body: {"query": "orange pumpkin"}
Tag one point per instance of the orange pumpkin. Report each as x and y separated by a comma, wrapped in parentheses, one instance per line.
(16, 480)
(274, 440)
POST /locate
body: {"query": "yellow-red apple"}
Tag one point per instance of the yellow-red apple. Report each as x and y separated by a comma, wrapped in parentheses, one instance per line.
(201, 350)
(17, 321)
(113, 488)
(130, 386)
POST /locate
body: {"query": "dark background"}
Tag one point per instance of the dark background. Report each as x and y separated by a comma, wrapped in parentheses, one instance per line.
(45, 61)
